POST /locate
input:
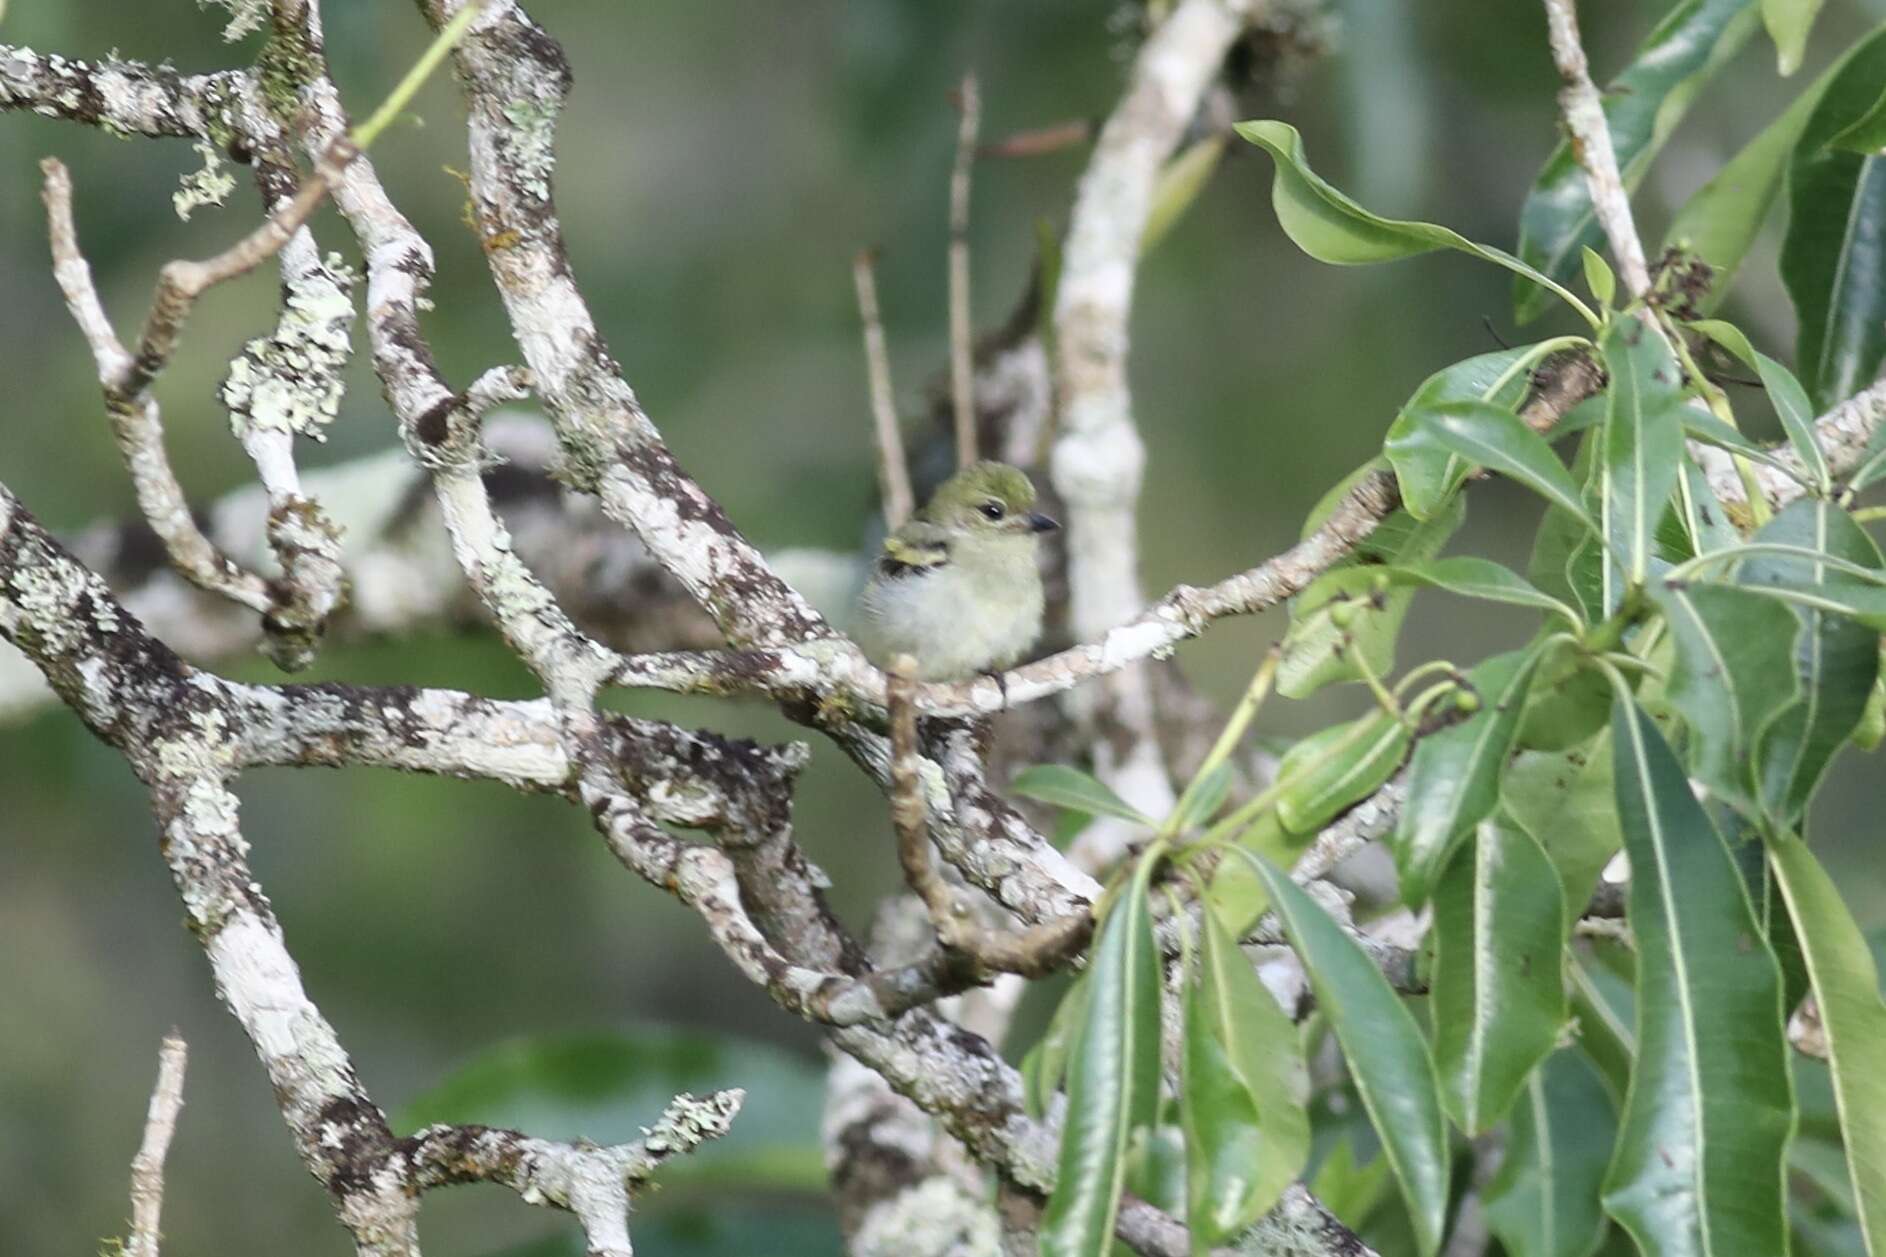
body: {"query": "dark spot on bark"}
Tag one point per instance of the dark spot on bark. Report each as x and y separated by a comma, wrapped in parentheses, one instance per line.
(433, 427)
(354, 1137)
(413, 262)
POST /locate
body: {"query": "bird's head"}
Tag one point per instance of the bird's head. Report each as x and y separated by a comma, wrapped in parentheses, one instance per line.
(988, 500)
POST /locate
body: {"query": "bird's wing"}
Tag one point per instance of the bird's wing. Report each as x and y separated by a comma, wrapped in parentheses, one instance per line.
(916, 547)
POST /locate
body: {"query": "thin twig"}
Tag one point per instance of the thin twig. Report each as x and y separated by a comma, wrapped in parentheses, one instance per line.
(893, 471)
(1591, 145)
(181, 282)
(1034, 952)
(962, 368)
(147, 1167)
(1040, 141)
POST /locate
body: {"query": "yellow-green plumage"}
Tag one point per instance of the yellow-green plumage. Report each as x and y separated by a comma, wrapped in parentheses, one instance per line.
(958, 586)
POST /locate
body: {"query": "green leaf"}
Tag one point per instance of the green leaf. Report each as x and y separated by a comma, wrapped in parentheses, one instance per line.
(1734, 671)
(1498, 440)
(1427, 471)
(1201, 801)
(1564, 539)
(1334, 767)
(1833, 258)
(1070, 788)
(1784, 393)
(1342, 623)
(1454, 777)
(1112, 1080)
(1568, 703)
(1599, 278)
(1387, 1056)
(1180, 183)
(1705, 520)
(1867, 133)
(1721, 219)
(1641, 107)
(1045, 1065)
(1698, 1168)
(1331, 227)
(608, 1086)
(1499, 990)
(1241, 1103)
(1567, 801)
(1788, 22)
(1473, 577)
(1836, 659)
(1643, 449)
(1602, 1013)
(1544, 1200)
(1846, 983)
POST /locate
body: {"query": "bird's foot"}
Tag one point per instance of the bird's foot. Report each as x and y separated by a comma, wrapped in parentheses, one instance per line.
(1001, 683)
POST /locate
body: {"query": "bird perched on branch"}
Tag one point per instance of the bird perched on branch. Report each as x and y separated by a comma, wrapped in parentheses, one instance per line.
(957, 586)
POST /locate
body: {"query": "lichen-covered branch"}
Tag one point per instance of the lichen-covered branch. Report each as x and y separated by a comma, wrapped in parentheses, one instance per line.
(594, 1183)
(1099, 458)
(515, 79)
(1037, 951)
(1590, 138)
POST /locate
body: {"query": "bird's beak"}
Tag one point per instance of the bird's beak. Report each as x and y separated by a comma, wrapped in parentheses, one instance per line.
(1038, 522)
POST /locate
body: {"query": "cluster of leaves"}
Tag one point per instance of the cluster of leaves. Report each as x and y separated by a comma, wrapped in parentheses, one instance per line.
(1696, 666)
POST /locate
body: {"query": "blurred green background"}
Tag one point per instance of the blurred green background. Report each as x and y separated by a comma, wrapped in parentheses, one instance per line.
(720, 165)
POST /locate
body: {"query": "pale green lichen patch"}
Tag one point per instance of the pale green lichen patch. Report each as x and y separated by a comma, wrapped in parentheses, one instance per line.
(208, 186)
(532, 156)
(936, 1216)
(291, 379)
(245, 16)
(46, 594)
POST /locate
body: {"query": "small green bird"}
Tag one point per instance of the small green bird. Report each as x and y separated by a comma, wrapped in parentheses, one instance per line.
(957, 586)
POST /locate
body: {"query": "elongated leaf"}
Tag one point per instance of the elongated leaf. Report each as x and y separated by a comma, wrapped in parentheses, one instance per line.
(1698, 1168)
(1246, 1133)
(1045, 1065)
(1544, 1200)
(1180, 183)
(1599, 277)
(1343, 623)
(1388, 1058)
(1784, 393)
(1722, 218)
(1499, 993)
(1642, 105)
(1567, 800)
(1496, 439)
(1331, 227)
(1428, 471)
(1867, 133)
(1112, 1081)
(1836, 659)
(1705, 520)
(1643, 449)
(1863, 604)
(1334, 767)
(1788, 22)
(1474, 577)
(1853, 1018)
(1604, 1018)
(1833, 258)
(1076, 791)
(1734, 671)
(1454, 777)
(1563, 539)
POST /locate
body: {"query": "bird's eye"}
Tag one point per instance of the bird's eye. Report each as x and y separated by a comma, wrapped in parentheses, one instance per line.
(991, 510)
